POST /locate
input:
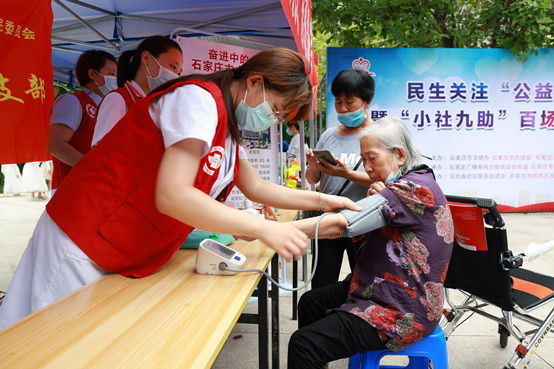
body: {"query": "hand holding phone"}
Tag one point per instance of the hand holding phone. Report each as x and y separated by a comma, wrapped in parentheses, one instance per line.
(325, 155)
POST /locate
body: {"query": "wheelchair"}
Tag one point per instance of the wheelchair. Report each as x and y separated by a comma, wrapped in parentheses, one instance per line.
(487, 274)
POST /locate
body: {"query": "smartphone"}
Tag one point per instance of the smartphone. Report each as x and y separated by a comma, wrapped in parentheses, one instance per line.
(325, 155)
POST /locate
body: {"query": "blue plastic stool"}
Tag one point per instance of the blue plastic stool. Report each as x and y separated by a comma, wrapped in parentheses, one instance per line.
(432, 348)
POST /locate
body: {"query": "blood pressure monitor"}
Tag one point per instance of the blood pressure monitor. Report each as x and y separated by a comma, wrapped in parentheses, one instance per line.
(212, 253)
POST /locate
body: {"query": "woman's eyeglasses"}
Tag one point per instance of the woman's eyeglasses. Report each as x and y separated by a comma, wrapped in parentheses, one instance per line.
(276, 116)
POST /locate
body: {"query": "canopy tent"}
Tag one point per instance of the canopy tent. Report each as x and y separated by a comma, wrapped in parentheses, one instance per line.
(116, 26)
(119, 25)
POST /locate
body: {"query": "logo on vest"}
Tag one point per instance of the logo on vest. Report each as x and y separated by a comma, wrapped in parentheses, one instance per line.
(91, 111)
(214, 161)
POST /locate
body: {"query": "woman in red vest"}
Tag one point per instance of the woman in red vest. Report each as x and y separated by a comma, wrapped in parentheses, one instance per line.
(155, 56)
(162, 171)
(74, 115)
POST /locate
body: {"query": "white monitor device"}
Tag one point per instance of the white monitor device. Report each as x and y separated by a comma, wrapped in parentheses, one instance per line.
(211, 253)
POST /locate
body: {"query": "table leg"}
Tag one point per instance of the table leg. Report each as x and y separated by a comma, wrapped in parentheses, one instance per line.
(263, 339)
(275, 313)
(295, 293)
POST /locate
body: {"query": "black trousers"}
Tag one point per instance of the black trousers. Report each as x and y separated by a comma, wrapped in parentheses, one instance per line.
(329, 259)
(323, 338)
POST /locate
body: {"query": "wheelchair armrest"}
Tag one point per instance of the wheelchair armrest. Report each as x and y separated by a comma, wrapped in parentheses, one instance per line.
(509, 260)
(493, 218)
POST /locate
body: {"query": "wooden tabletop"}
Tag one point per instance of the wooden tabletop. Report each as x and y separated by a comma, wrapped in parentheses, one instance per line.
(174, 318)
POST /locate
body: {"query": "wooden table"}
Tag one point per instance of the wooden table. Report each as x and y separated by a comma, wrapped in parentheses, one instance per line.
(174, 318)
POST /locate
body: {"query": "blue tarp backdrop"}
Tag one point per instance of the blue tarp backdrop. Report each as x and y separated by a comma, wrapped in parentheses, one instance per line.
(485, 119)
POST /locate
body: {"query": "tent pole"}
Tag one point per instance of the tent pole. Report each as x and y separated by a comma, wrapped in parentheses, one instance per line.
(303, 183)
(67, 41)
(74, 15)
(85, 5)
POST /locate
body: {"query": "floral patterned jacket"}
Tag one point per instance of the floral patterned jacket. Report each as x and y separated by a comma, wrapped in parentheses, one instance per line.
(397, 283)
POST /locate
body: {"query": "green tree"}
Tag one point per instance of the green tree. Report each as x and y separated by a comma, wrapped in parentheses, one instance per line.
(320, 42)
(522, 26)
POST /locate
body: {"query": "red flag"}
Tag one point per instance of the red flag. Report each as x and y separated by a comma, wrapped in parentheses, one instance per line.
(299, 15)
(26, 75)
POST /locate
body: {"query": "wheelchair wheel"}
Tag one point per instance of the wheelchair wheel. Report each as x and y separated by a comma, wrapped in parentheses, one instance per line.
(504, 334)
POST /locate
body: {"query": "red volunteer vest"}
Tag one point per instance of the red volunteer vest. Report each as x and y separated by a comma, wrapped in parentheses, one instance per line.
(124, 94)
(82, 138)
(106, 205)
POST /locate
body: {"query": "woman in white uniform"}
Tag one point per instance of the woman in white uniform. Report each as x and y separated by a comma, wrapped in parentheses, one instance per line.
(156, 60)
(74, 114)
(163, 170)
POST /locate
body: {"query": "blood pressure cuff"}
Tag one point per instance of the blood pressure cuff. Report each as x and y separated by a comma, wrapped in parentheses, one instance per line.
(367, 220)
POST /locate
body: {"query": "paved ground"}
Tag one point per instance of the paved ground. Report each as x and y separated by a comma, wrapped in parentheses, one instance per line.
(473, 345)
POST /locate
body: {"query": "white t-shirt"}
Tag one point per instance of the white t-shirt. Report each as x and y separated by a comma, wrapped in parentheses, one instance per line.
(190, 111)
(294, 148)
(112, 109)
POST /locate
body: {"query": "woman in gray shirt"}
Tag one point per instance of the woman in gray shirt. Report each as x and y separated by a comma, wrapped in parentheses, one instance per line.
(353, 90)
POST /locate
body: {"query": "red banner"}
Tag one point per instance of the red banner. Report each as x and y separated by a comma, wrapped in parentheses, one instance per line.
(299, 15)
(26, 90)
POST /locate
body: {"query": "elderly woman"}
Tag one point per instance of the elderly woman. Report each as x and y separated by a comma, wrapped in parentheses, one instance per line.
(393, 297)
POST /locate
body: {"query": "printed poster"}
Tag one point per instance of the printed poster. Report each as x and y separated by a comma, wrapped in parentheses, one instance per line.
(484, 120)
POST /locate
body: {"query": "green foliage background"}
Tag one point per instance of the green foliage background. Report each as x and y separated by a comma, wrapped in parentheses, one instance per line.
(522, 26)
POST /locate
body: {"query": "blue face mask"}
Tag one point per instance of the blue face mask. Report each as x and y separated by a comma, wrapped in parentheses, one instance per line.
(110, 84)
(256, 119)
(288, 132)
(352, 119)
(392, 177)
(164, 75)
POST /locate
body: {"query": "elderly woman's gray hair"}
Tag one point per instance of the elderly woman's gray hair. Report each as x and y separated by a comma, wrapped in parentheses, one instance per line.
(392, 133)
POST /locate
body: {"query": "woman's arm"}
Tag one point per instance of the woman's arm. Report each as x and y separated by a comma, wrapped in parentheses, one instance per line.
(331, 226)
(58, 144)
(65, 120)
(258, 190)
(177, 197)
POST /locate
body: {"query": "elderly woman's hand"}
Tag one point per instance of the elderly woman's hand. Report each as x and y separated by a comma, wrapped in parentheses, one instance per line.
(375, 188)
